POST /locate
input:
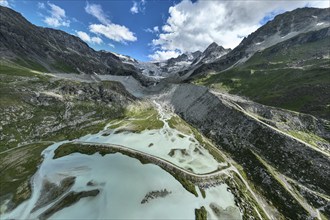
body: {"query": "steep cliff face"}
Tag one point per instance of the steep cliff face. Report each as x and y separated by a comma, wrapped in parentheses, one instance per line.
(256, 146)
(210, 54)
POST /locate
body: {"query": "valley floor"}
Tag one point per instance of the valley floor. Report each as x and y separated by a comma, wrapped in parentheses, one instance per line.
(72, 143)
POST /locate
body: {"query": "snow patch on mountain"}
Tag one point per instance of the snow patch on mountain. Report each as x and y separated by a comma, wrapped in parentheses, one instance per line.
(125, 59)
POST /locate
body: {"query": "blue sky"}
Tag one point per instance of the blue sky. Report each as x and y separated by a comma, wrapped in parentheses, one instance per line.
(118, 12)
(156, 29)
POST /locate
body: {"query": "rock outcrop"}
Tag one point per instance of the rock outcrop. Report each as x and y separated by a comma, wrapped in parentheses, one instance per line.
(250, 142)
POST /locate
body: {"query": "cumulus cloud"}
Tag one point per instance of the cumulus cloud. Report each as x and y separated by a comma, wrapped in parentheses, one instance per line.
(138, 7)
(193, 26)
(85, 37)
(154, 30)
(160, 55)
(41, 5)
(97, 11)
(134, 9)
(4, 3)
(113, 31)
(116, 32)
(56, 16)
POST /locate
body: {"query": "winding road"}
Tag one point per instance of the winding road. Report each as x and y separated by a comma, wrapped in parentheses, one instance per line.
(229, 100)
(233, 104)
(199, 177)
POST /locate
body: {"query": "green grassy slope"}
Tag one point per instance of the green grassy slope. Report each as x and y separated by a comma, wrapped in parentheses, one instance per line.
(37, 107)
(37, 110)
(293, 77)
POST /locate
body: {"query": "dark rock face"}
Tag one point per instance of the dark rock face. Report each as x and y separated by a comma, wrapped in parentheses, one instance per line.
(53, 50)
(211, 53)
(244, 138)
(283, 27)
(106, 93)
(182, 62)
(286, 120)
(183, 57)
(304, 38)
(196, 54)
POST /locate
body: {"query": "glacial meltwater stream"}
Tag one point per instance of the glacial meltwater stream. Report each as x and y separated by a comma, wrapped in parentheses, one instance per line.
(115, 186)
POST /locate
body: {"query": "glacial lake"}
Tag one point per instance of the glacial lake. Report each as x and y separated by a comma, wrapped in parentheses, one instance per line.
(123, 182)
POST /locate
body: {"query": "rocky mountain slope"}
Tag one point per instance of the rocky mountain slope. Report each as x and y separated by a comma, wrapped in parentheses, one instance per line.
(170, 69)
(280, 166)
(174, 65)
(293, 74)
(210, 54)
(39, 109)
(281, 28)
(50, 50)
(187, 62)
(163, 69)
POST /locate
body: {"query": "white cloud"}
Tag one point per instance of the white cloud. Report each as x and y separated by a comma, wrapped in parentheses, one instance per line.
(97, 11)
(41, 5)
(57, 11)
(148, 30)
(113, 31)
(85, 37)
(138, 7)
(111, 45)
(160, 55)
(154, 30)
(4, 3)
(56, 16)
(193, 26)
(134, 9)
(54, 22)
(96, 40)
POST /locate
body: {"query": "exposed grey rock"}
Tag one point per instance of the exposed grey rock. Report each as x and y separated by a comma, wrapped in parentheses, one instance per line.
(210, 54)
(242, 137)
(40, 109)
(281, 28)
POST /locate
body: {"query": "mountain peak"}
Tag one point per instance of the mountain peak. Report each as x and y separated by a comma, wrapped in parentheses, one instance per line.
(211, 53)
(196, 53)
(212, 46)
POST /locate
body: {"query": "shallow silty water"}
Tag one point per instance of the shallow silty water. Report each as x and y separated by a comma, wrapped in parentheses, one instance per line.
(123, 183)
(170, 144)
